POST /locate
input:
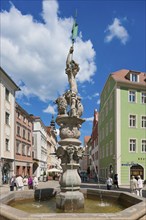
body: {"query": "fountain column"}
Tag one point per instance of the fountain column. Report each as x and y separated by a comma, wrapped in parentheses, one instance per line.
(70, 110)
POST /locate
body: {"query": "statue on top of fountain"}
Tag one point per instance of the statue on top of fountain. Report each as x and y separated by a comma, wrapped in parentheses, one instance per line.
(72, 68)
(69, 100)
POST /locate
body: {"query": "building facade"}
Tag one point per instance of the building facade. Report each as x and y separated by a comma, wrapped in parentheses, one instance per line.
(23, 142)
(53, 160)
(122, 126)
(7, 125)
(84, 162)
(93, 143)
(40, 153)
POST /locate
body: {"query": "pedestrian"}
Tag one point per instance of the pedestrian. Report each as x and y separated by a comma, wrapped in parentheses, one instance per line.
(19, 183)
(109, 183)
(30, 182)
(116, 180)
(4, 179)
(12, 183)
(133, 185)
(139, 186)
(35, 182)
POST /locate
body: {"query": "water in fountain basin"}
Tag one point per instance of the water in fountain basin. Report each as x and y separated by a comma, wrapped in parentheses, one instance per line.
(91, 206)
(37, 204)
(40, 195)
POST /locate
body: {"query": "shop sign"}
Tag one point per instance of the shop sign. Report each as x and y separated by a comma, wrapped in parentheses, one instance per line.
(129, 164)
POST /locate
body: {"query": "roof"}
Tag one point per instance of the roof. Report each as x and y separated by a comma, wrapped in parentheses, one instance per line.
(19, 108)
(123, 76)
(86, 139)
(16, 87)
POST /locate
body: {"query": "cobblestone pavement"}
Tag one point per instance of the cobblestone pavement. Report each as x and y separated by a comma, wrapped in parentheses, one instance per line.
(51, 184)
(55, 184)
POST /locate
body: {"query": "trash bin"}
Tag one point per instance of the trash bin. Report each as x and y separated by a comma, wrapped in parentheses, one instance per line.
(11, 188)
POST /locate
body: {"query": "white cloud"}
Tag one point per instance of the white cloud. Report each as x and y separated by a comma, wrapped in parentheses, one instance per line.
(35, 53)
(50, 109)
(58, 131)
(89, 119)
(91, 96)
(96, 94)
(116, 30)
(98, 102)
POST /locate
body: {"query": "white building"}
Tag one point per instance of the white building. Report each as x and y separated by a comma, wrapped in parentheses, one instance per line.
(53, 161)
(39, 145)
(7, 125)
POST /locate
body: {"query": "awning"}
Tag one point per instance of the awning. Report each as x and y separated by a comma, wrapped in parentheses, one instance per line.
(54, 170)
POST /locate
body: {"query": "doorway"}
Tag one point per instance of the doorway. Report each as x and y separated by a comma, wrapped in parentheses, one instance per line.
(6, 173)
(137, 170)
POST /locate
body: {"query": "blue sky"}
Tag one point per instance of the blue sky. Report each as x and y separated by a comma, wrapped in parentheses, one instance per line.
(35, 40)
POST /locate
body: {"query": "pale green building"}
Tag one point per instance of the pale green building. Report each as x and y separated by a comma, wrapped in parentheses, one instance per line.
(122, 126)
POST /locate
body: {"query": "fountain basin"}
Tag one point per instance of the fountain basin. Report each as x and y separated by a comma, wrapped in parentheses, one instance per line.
(135, 207)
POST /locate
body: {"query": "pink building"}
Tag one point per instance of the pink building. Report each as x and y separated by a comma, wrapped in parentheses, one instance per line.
(23, 142)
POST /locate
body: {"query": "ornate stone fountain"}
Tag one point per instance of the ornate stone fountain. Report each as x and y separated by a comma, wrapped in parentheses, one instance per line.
(70, 110)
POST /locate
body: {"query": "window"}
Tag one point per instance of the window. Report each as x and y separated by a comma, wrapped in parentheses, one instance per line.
(7, 118)
(28, 151)
(7, 144)
(132, 96)
(23, 149)
(132, 121)
(28, 136)
(18, 115)
(143, 97)
(24, 133)
(7, 93)
(132, 145)
(18, 130)
(134, 77)
(143, 121)
(143, 146)
(24, 119)
(17, 147)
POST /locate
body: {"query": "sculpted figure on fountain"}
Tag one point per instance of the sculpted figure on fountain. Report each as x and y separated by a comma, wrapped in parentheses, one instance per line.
(72, 68)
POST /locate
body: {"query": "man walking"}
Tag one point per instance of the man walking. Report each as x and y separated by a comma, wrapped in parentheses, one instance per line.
(139, 186)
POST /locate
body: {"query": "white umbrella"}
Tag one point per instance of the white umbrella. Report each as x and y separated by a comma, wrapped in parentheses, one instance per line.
(54, 170)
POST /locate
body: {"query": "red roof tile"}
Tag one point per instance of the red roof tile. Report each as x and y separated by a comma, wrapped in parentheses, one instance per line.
(121, 76)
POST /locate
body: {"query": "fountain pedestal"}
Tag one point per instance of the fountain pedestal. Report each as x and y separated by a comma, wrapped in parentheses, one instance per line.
(70, 198)
(70, 110)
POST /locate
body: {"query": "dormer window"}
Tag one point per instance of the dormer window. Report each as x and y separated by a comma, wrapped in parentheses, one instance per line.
(134, 77)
